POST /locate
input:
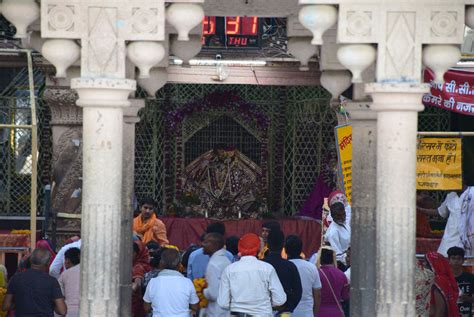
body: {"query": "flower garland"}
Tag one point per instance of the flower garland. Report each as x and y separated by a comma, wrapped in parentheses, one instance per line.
(218, 100)
(3, 292)
(21, 231)
(200, 284)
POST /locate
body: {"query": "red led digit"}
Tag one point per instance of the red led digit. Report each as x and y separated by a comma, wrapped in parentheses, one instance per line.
(209, 25)
(254, 25)
(233, 25)
(249, 25)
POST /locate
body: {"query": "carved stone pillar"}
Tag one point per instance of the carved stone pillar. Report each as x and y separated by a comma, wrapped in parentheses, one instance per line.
(397, 107)
(102, 101)
(363, 239)
(130, 118)
(66, 124)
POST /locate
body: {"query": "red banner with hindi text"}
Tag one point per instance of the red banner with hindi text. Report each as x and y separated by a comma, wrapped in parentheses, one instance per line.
(455, 94)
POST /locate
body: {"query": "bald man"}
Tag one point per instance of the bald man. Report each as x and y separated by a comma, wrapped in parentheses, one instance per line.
(34, 292)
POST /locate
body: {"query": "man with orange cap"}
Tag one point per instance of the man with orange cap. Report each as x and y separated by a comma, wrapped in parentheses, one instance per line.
(250, 287)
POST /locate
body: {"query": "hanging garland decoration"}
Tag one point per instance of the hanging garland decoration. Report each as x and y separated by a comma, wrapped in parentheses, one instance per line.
(218, 100)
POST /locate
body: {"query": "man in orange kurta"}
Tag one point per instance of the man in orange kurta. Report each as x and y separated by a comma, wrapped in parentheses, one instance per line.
(148, 226)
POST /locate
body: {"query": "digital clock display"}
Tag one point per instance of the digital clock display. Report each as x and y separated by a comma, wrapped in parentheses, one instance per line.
(231, 32)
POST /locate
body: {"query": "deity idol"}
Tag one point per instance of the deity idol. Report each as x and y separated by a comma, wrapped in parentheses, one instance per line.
(227, 183)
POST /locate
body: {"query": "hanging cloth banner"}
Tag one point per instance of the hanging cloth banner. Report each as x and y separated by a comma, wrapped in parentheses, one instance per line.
(455, 94)
(344, 154)
(438, 164)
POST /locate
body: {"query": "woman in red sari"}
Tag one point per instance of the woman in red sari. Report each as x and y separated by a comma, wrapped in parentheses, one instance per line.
(141, 265)
(44, 244)
(40, 244)
(445, 290)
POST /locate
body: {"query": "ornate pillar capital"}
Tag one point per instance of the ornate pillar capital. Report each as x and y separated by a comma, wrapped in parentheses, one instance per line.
(103, 92)
(62, 103)
(396, 97)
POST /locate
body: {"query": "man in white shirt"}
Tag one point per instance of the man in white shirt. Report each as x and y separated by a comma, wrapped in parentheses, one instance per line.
(70, 281)
(338, 234)
(451, 209)
(310, 281)
(170, 293)
(213, 245)
(58, 263)
(250, 287)
(459, 227)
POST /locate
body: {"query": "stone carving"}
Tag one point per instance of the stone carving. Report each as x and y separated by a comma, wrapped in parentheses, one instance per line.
(359, 23)
(401, 43)
(66, 122)
(67, 176)
(103, 28)
(103, 49)
(62, 18)
(146, 21)
(399, 33)
(443, 24)
(62, 103)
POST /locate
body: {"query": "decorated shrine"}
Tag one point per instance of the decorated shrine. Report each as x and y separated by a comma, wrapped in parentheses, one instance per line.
(227, 110)
(268, 159)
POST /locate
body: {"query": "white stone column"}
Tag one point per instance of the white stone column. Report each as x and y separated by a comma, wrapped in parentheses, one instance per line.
(363, 238)
(130, 118)
(102, 101)
(397, 107)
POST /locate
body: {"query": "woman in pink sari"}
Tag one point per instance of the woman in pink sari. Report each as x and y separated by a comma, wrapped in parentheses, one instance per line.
(335, 287)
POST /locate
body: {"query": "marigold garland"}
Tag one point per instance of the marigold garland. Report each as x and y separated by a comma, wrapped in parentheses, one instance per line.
(20, 232)
(3, 292)
(200, 284)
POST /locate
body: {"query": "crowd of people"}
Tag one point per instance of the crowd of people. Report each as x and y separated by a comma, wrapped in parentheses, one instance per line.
(251, 275)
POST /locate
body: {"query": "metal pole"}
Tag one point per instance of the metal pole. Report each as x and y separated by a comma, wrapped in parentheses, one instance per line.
(422, 256)
(440, 133)
(15, 126)
(47, 208)
(34, 151)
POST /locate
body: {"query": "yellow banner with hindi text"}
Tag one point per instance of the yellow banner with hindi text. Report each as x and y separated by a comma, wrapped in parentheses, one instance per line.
(439, 164)
(344, 153)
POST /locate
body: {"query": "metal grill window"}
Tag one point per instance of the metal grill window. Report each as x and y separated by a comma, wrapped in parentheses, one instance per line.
(223, 130)
(15, 146)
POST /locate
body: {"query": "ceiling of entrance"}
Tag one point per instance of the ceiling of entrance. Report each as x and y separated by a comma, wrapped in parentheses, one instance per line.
(261, 8)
